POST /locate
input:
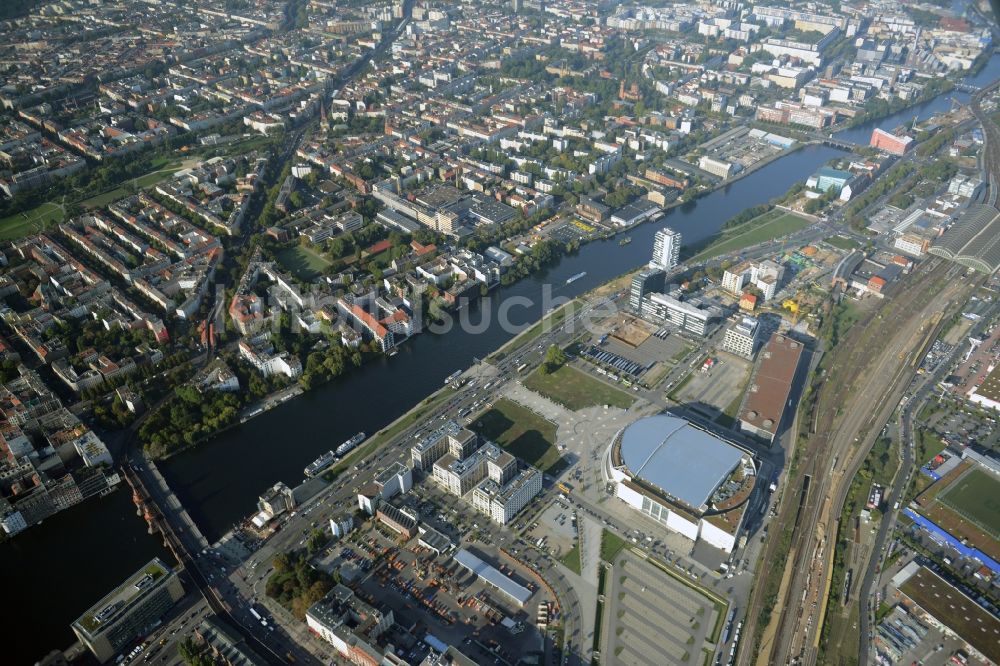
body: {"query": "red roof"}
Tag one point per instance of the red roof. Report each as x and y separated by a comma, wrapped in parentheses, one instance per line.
(422, 249)
(368, 320)
(378, 247)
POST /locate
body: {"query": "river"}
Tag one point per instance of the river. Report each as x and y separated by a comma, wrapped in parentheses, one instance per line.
(942, 103)
(53, 572)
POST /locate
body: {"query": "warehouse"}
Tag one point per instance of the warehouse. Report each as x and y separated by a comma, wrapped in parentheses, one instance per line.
(770, 387)
(516, 592)
(682, 476)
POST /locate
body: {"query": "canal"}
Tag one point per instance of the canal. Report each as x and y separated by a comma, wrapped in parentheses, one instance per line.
(55, 571)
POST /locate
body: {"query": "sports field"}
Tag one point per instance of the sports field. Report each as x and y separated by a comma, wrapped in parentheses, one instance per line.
(976, 496)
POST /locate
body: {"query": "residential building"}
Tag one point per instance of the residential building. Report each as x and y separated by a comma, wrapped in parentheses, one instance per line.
(353, 626)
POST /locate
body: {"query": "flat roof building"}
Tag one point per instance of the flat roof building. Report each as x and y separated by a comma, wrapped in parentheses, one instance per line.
(770, 386)
(514, 591)
(129, 610)
(682, 476)
(353, 626)
(741, 337)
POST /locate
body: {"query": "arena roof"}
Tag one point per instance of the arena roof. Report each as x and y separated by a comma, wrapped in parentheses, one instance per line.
(677, 457)
(974, 240)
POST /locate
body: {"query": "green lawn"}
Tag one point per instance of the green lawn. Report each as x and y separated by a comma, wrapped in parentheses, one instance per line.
(763, 228)
(576, 390)
(30, 222)
(842, 242)
(976, 496)
(144, 181)
(522, 432)
(572, 559)
(611, 544)
(305, 263)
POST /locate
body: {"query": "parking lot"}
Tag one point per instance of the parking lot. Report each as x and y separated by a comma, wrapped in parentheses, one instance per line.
(652, 618)
(554, 531)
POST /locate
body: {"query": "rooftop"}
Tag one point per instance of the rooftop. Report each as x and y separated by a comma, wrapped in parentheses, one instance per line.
(108, 609)
(682, 460)
(492, 576)
(772, 383)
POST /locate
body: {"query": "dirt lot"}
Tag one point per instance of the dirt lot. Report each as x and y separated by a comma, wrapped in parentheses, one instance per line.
(714, 391)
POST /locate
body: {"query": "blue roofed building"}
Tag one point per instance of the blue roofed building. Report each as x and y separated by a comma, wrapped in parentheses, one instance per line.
(683, 477)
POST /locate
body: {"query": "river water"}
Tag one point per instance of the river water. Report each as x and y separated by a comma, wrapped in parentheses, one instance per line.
(53, 572)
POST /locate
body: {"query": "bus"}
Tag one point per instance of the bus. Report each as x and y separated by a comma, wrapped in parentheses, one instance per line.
(256, 615)
(521, 368)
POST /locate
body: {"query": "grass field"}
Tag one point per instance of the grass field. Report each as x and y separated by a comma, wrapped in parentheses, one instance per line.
(842, 242)
(522, 432)
(572, 559)
(611, 545)
(30, 222)
(146, 180)
(305, 263)
(976, 496)
(768, 226)
(575, 390)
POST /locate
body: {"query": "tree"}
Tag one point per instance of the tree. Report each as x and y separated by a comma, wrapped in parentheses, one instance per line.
(555, 358)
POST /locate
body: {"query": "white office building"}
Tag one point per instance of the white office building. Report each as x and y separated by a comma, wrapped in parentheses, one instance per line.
(741, 338)
(666, 249)
(501, 502)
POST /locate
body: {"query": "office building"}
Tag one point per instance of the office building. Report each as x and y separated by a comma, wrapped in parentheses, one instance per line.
(890, 143)
(501, 502)
(666, 249)
(645, 282)
(741, 337)
(129, 611)
(691, 315)
(425, 453)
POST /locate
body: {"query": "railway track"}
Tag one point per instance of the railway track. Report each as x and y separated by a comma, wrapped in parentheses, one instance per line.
(871, 374)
